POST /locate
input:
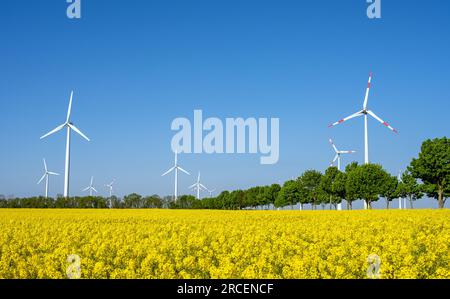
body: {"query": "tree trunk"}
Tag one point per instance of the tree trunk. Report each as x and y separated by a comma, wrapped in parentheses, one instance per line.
(441, 199)
(387, 204)
(411, 203)
(349, 205)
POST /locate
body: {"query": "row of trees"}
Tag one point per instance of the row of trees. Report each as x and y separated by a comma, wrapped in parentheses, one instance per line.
(429, 174)
(132, 201)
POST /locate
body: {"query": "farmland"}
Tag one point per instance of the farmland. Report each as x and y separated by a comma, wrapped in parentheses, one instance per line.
(223, 244)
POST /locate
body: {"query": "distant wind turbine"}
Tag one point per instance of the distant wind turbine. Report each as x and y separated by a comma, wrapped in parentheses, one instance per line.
(338, 158)
(110, 187)
(338, 154)
(198, 186)
(69, 126)
(365, 112)
(175, 168)
(211, 192)
(45, 176)
(91, 187)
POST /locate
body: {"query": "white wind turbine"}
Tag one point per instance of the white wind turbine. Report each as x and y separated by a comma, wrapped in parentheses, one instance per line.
(338, 154)
(211, 192)
(198, 186)
(91, 187)
(45, 176)
(365, 112)
(175, 168)
(69, 126)
(338, 158)
(110, 187)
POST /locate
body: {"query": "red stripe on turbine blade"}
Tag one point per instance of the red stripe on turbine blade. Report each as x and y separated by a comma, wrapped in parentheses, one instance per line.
(386, 124)
(368, 85)
(341, 121)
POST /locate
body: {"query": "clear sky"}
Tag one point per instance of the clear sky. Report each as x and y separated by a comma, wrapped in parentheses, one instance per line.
(137, 65)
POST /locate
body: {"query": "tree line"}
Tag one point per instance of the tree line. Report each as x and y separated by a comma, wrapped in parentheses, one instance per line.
(428, 174)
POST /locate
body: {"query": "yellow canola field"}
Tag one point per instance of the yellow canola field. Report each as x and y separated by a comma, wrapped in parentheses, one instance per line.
(224, 244)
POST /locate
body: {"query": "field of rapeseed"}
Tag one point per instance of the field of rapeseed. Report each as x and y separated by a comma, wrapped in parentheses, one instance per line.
(223, 244)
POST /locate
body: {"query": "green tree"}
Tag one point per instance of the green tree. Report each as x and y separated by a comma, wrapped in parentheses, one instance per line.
(288, 195)
(310, 185)
(133, 201)
(366, 182)
(390, 189)
(328, 185)
(410, 188)
(349, 188)
(339, 186)
(433, 168)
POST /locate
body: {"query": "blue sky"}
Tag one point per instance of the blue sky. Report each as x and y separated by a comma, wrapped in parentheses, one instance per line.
(137, 65)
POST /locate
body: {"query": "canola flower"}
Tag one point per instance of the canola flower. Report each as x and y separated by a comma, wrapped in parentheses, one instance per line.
(111, 244)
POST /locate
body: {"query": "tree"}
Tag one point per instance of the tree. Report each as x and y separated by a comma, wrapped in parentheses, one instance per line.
(433, 168)
(349, 190)
(288, 195)
(367, 182)
(328, 183)
(133, 201)
(339, 187)
(310, 185)
(271, 193)
(410, 188)
(390, 189)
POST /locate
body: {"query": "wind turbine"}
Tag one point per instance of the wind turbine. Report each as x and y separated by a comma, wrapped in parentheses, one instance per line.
(365, 112)
(69, 126)
(110, 187)
(45, 176)
(338, 158)
(211, 192)
(338, 154)
(198, 186)
(91, 187)
(175, 168)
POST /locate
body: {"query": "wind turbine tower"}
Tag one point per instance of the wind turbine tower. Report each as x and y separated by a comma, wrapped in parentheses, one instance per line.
(69, 127)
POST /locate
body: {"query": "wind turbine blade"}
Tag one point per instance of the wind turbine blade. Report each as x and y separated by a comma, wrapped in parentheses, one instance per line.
(181, 169)
(366, 98)
(78, 131)
(203, 186)
(52, 173)
(359, 113)
(335, 158)
(192, 186)
(347, 152)
(45, 166)
(86, 189)
(42, 178)
(94, 190)
(334, 146)
(168, 171)
(69, 110)
(382, 121)
(54, 131)
(92, 180)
